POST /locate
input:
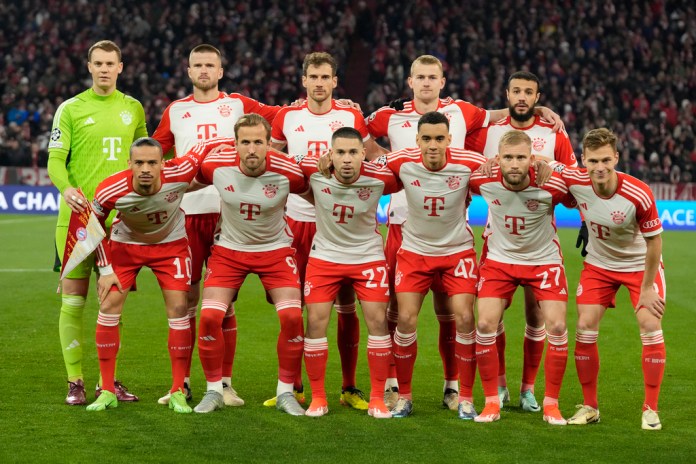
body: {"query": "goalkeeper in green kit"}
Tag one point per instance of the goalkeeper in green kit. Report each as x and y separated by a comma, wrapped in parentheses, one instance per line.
(90, 139)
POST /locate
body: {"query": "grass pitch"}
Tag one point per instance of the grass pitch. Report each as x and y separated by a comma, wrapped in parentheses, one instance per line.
(36, 426)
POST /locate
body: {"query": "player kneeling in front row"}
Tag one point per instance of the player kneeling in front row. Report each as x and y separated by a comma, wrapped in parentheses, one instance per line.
(521, 249)
(149, 231)
(347, 249)
(625, 248)
(254, 184)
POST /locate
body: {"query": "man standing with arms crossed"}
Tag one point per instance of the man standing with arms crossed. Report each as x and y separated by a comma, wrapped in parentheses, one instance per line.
(523, 92)
(522, 248)
(206, 114)
(307, 130)
(89, 141)
(625, 248)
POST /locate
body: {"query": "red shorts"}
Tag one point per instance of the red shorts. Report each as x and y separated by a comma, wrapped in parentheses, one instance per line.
(599, 286)
(170, 262)
(500, 280)
(416, 273)
(325, 278)
(200, 229)
(303, 235)
(228, 268)
(391, 248)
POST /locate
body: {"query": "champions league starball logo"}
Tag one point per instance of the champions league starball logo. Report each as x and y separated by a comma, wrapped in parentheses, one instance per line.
(81, 234)
(270, 190)
(364, 194)
(618, 217)
(532, 205)
(454, 182)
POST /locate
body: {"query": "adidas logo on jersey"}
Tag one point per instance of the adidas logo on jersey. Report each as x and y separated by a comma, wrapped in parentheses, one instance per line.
(327, 190)
(89, 121)
(416, 183)
(583, 206)
(496, 202)
(299, 129)
(406, 124)
(135, 210)
(563, 292)
(230, 188)
(186, 115)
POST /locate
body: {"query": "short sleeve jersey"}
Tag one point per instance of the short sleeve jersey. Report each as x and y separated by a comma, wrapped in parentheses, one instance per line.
(521, 222)
(436, 224)
(347, 229)
(551, 145)
(253, 208)
(94, 134)
(401, 128)
(309, 134)
(186, 122)
(617, 225)
(145, 219)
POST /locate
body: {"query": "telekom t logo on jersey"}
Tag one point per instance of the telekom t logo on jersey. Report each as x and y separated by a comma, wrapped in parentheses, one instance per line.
(317, 147)
(434, 204)
(111, 146)
(250, 210)
(206, 131)
(343, 212)
(600, 231)
(158, 217)
(515, 224)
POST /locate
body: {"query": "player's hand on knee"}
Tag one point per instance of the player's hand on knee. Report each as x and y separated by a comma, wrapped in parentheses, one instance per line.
(104, 285)
(651, 301)
(583, 237)
(74, 199)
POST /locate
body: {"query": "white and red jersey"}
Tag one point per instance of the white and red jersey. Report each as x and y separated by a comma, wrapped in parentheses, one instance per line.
(521, 223)
(436, 224)
(545, 142)
(145, 219)
(253, 208)
(401, 128)
(347, 228)
(617, 225)
(186, 122)
(309, 134)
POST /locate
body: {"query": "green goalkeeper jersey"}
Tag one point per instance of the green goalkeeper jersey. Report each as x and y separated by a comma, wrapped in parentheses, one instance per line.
(90, 140)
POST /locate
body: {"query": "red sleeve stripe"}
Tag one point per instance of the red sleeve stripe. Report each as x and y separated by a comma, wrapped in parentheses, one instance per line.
(113, 190)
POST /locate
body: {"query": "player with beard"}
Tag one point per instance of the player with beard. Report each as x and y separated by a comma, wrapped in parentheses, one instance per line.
(206, 114)
(523, 93)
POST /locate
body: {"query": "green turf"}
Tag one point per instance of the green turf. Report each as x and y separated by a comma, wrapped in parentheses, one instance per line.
(36, 427)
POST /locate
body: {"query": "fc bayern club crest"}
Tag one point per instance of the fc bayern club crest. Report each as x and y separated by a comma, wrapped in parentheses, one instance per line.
(538, 144)
(618, 217)
(81, 234)
(307, 288)
(225, 111)
(364, 194)
(172, 197)
(454, 182)
(334, 125)
(532, 205)
(270, 190)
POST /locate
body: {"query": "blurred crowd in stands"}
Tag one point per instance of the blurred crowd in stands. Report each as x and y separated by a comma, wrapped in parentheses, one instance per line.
(627, 65)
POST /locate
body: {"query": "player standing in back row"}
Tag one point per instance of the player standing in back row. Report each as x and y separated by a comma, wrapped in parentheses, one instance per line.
(89, 141)
(206, 114)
